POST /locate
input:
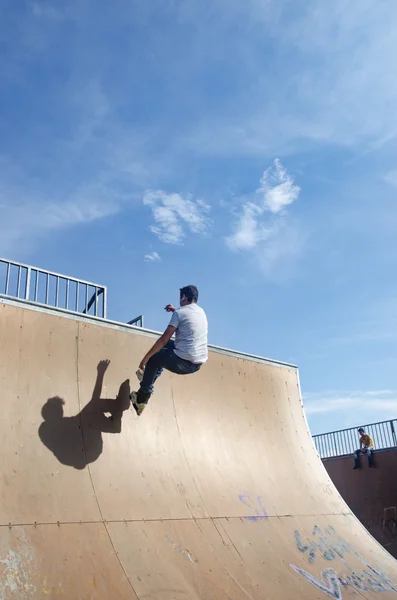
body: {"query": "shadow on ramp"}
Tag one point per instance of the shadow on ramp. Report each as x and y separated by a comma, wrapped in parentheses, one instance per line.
(77, 441)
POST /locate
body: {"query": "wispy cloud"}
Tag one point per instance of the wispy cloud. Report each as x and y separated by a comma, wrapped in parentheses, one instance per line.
(372, 324)
(25, 219)
(365, 337)
(249, 230)
(46, 11)
(175, 216)
(383, 402)
(152, 257)
(262, 227)
(278, 188)
(313, 97)
(94, 169)
(391, 177)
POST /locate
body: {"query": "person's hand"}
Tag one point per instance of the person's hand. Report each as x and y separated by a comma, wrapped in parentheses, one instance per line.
(103, 365)
(170, 308)
(142, 364)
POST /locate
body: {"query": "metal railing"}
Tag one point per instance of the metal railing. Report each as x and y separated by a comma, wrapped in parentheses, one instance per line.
(138, 321)
(18, 280)
(346, 441)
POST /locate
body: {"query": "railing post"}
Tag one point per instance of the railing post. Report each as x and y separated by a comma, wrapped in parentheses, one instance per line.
(393, 432)
(19, 281)
(86, 299)
(67, 295)
(36, 285)
(47, 288)
(96, 301)
(7, 278)
(27, 287)
(105, 302)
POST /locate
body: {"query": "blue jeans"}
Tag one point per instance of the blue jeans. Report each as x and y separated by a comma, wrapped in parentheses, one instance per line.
(369, 454)
(164, 359)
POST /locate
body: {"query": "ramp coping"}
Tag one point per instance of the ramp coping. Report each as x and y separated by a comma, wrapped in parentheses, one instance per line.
(139, 330)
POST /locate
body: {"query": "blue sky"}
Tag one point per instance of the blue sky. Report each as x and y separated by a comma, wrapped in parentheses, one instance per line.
(247, 147)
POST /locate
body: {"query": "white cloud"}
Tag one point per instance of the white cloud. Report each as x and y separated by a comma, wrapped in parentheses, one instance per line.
(175, 215)
(152, 257)
(95, 122)
(54, 216)
(379, 393)
(278, 188)
(383, 402)
(272, 238)
(249, 231)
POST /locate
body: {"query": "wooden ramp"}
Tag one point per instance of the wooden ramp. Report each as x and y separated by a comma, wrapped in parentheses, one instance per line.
(214, 493)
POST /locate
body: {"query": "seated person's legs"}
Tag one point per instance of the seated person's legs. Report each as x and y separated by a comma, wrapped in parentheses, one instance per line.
(357, 459)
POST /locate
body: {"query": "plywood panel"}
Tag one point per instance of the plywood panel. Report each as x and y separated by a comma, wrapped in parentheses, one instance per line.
(214, 493)
(168, 560)
(43, 458)
(305, 557)
(245, 438)
(142, 472)
(67, 561)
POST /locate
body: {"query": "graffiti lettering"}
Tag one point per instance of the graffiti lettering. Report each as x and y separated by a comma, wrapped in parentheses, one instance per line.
(384, 581)
(339, 545)
(328, 548)
(330, 581)
(331, 546)
(304, 547)
(329, 584)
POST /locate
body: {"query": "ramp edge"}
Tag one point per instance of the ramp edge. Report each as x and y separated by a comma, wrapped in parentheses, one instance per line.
(28, 305)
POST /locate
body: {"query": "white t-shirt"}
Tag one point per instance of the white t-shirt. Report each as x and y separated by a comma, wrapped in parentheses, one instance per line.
(191, 335)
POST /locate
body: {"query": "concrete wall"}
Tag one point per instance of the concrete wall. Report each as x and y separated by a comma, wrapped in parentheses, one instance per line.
(368, 492)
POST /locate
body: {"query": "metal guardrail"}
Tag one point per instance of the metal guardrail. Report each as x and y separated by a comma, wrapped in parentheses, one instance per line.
(19, 280)
(346, 441)
(25, 282)
(138, 321)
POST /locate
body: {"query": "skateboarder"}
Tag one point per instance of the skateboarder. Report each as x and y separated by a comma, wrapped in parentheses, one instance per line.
(184, 356)
(366, 447)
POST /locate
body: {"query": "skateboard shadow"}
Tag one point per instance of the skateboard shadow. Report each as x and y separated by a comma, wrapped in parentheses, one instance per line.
(77, 441)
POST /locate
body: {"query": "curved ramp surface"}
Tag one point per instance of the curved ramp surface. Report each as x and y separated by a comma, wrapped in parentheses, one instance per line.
(214, 493)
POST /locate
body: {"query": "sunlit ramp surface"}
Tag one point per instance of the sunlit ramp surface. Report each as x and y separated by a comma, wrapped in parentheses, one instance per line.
(215, 493)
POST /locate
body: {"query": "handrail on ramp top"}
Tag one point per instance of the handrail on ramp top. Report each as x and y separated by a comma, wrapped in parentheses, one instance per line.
(93, 299)
(62, 293)
(40, 286)
(346, 441)
(138, 321)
